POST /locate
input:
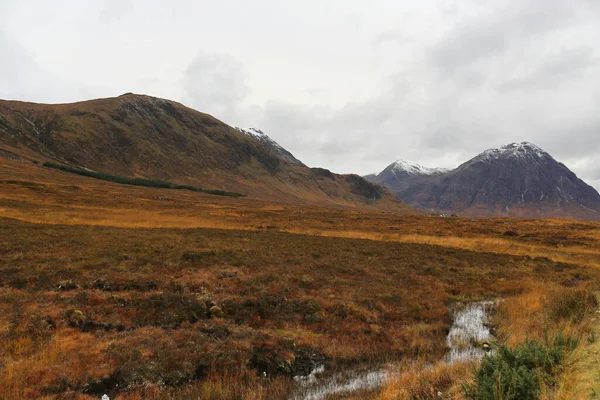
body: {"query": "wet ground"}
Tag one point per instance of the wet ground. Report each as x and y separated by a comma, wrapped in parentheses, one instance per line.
(467, 340)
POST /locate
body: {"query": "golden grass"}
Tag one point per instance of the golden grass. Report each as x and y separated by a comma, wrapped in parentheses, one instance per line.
(357, 287)
(34, 194)
(428, 382)
(581, 378)
(47, 364)
(576, 254)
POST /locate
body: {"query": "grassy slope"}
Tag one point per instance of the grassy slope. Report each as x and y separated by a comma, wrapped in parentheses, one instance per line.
(142, 136)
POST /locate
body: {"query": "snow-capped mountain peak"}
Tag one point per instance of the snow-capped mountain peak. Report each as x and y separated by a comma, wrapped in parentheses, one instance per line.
(522, 150)
(402, 173)
(411, 168)
(517, 179)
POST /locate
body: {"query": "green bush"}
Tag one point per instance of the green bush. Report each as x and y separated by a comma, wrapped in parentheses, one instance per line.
(139, 181)
(517, 373)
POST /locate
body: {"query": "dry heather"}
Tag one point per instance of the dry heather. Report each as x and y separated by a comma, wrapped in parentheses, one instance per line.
(541, 312)
(150, 293)
(36, 194)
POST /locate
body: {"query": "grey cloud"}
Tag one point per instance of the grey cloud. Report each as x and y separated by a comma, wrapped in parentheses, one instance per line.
(495, 30)
(467, 45)
(458, 99)
(579, 139)
(554, 70)
(280, 114)
(540, 17)
(396, 36)
(216, 84)
(439, 82)
(23, 78)
(112, 10)
(595, 173)
(567, 61)
(334, 147)
(447, 7)
(5, 8)
(18, 70)
(320, 132)
(447, 138)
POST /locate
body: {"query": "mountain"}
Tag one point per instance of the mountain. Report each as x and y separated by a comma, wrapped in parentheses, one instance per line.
(402, 174)
(519, 179)
(272, 145)
(147, 137)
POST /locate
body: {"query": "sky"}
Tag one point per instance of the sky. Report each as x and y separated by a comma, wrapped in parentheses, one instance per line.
(346, 85)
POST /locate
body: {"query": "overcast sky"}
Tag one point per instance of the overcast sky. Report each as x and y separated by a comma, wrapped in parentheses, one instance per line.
(347, 85)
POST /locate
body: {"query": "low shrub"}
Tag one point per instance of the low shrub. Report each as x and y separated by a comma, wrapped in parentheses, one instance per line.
(153, 360)
(517, 373)
(270, 359)
(194, 257)
(167, 310)
(26, 333)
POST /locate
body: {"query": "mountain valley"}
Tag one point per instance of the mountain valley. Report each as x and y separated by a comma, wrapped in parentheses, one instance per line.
(119, 280)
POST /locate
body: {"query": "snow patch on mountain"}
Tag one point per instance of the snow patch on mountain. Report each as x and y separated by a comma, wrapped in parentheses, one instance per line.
(262, 137)
(411, 168)
(519, 151)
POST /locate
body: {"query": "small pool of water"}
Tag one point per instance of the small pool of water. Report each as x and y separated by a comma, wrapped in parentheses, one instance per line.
(313, 388)
(468, 333)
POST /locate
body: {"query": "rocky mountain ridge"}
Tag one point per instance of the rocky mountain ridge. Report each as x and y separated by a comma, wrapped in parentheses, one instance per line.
(517, 179)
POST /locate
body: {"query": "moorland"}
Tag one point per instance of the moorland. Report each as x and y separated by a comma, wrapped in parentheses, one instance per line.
(149, 293)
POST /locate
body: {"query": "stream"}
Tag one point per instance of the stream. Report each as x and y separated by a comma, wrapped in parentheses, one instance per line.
(467, 337)
(469, 333)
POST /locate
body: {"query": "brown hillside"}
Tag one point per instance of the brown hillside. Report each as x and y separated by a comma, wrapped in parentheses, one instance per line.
(141, 136)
